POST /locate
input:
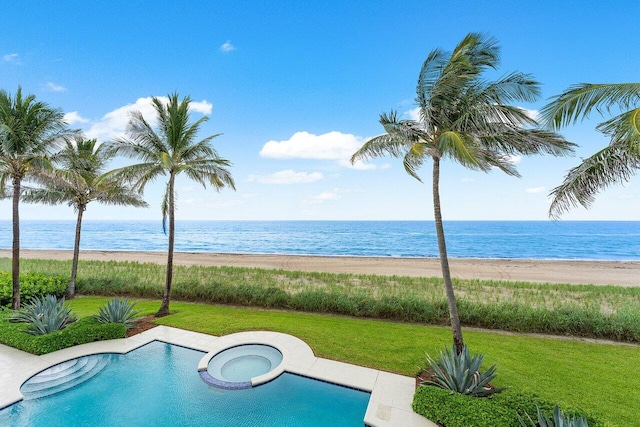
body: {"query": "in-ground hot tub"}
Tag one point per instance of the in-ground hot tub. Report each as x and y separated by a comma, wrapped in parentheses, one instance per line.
(243, 366)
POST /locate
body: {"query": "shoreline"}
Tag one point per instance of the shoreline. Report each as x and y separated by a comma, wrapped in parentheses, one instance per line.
(620, 273)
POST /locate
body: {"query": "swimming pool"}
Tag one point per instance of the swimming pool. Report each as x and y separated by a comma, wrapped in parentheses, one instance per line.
(158, 385)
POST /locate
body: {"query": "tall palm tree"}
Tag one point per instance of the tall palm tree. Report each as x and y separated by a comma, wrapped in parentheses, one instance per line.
(79, 180)
(170, 150)
(615, 163)
(469, 120)
(28, 130)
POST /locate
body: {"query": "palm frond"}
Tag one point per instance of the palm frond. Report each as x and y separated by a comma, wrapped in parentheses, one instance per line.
(165, 206)
(209, 171)
(513, 140)
(461, 148)
(46, 196)
(514, 87)
(624, 129)
(139, 174)
(414, 158)
(611, 165)
(578, 101)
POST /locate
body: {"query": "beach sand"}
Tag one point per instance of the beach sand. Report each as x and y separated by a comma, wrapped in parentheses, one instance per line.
(573, 272)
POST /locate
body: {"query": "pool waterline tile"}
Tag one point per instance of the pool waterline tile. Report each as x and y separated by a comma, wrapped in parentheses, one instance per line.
(389, 404)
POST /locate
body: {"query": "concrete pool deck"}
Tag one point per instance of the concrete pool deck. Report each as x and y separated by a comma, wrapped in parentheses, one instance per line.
(391, 394)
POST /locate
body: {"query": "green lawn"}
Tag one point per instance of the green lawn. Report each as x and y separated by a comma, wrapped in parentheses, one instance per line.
(600, 378)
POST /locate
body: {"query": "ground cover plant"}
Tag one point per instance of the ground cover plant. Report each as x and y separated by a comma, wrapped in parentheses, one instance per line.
(591, 376)
(504, 409)
(580, 310)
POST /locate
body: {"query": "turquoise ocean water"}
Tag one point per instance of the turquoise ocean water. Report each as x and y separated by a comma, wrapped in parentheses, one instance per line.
(581, 240)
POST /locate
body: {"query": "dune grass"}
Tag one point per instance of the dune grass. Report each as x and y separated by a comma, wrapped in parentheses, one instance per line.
(579, 310)
(600, 378)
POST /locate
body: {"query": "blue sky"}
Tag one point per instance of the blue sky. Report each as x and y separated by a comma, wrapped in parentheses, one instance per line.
(296, 86)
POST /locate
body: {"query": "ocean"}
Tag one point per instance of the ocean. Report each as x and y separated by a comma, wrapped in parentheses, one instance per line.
(553, 240)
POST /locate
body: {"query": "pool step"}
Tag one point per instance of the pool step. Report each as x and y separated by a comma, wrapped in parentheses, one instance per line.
(64, 376)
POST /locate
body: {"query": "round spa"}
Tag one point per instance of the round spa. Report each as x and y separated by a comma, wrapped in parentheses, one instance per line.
(235, 367)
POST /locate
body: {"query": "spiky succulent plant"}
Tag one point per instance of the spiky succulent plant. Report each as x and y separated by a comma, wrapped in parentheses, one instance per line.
(118, 310)
(460, 373)
(557, 419)
(44, 315)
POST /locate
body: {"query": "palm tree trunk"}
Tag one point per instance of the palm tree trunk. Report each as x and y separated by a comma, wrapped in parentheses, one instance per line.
(164, 307)
(71, 289)
(444, 260)
(15, 261)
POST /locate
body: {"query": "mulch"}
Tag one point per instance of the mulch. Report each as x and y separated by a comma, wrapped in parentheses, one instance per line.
(142, 324)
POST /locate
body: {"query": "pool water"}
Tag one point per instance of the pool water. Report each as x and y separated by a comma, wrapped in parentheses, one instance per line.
(158, 385)
(244, 368)
(243, 362)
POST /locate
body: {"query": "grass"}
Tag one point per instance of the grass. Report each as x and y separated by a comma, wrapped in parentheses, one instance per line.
(600, 378)
(590, 311)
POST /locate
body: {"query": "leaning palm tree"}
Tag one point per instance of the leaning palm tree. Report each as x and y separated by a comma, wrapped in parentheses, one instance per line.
(170, 150)
(28, 131)
(79, 179)
(614, 164)
(466, 119)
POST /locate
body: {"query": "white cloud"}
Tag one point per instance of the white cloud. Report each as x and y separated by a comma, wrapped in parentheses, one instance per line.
(287, 177)
(466, 180)
(73, 117)
(202, 107)
(304, 145)
(413, 114)
(227, 47)
(115, 122)
(12, 58)
(534, 114)
(55, 87)
(325, 196)
(535, 190)
(515, 159)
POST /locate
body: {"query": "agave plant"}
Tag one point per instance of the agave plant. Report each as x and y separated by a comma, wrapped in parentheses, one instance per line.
(460, 373)
(44, 315)
(558, 419)
(118, 310)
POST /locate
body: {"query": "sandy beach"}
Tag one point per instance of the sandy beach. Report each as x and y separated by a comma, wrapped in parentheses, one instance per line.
(574, 272)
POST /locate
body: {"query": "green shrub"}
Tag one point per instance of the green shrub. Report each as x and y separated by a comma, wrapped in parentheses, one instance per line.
(457, 410)
(44, 315)
(83, 331)
(32, 285)
(118, 310)
(460, 373)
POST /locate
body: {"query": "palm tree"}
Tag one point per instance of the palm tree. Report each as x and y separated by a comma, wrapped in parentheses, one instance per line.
(469, 120)
(80, 180)
(615, 163)
(170, 150)
(28, 130)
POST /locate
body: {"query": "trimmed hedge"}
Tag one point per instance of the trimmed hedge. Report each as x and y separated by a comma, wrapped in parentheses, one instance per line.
(32, 285)
(82, 331)
(457, 410)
